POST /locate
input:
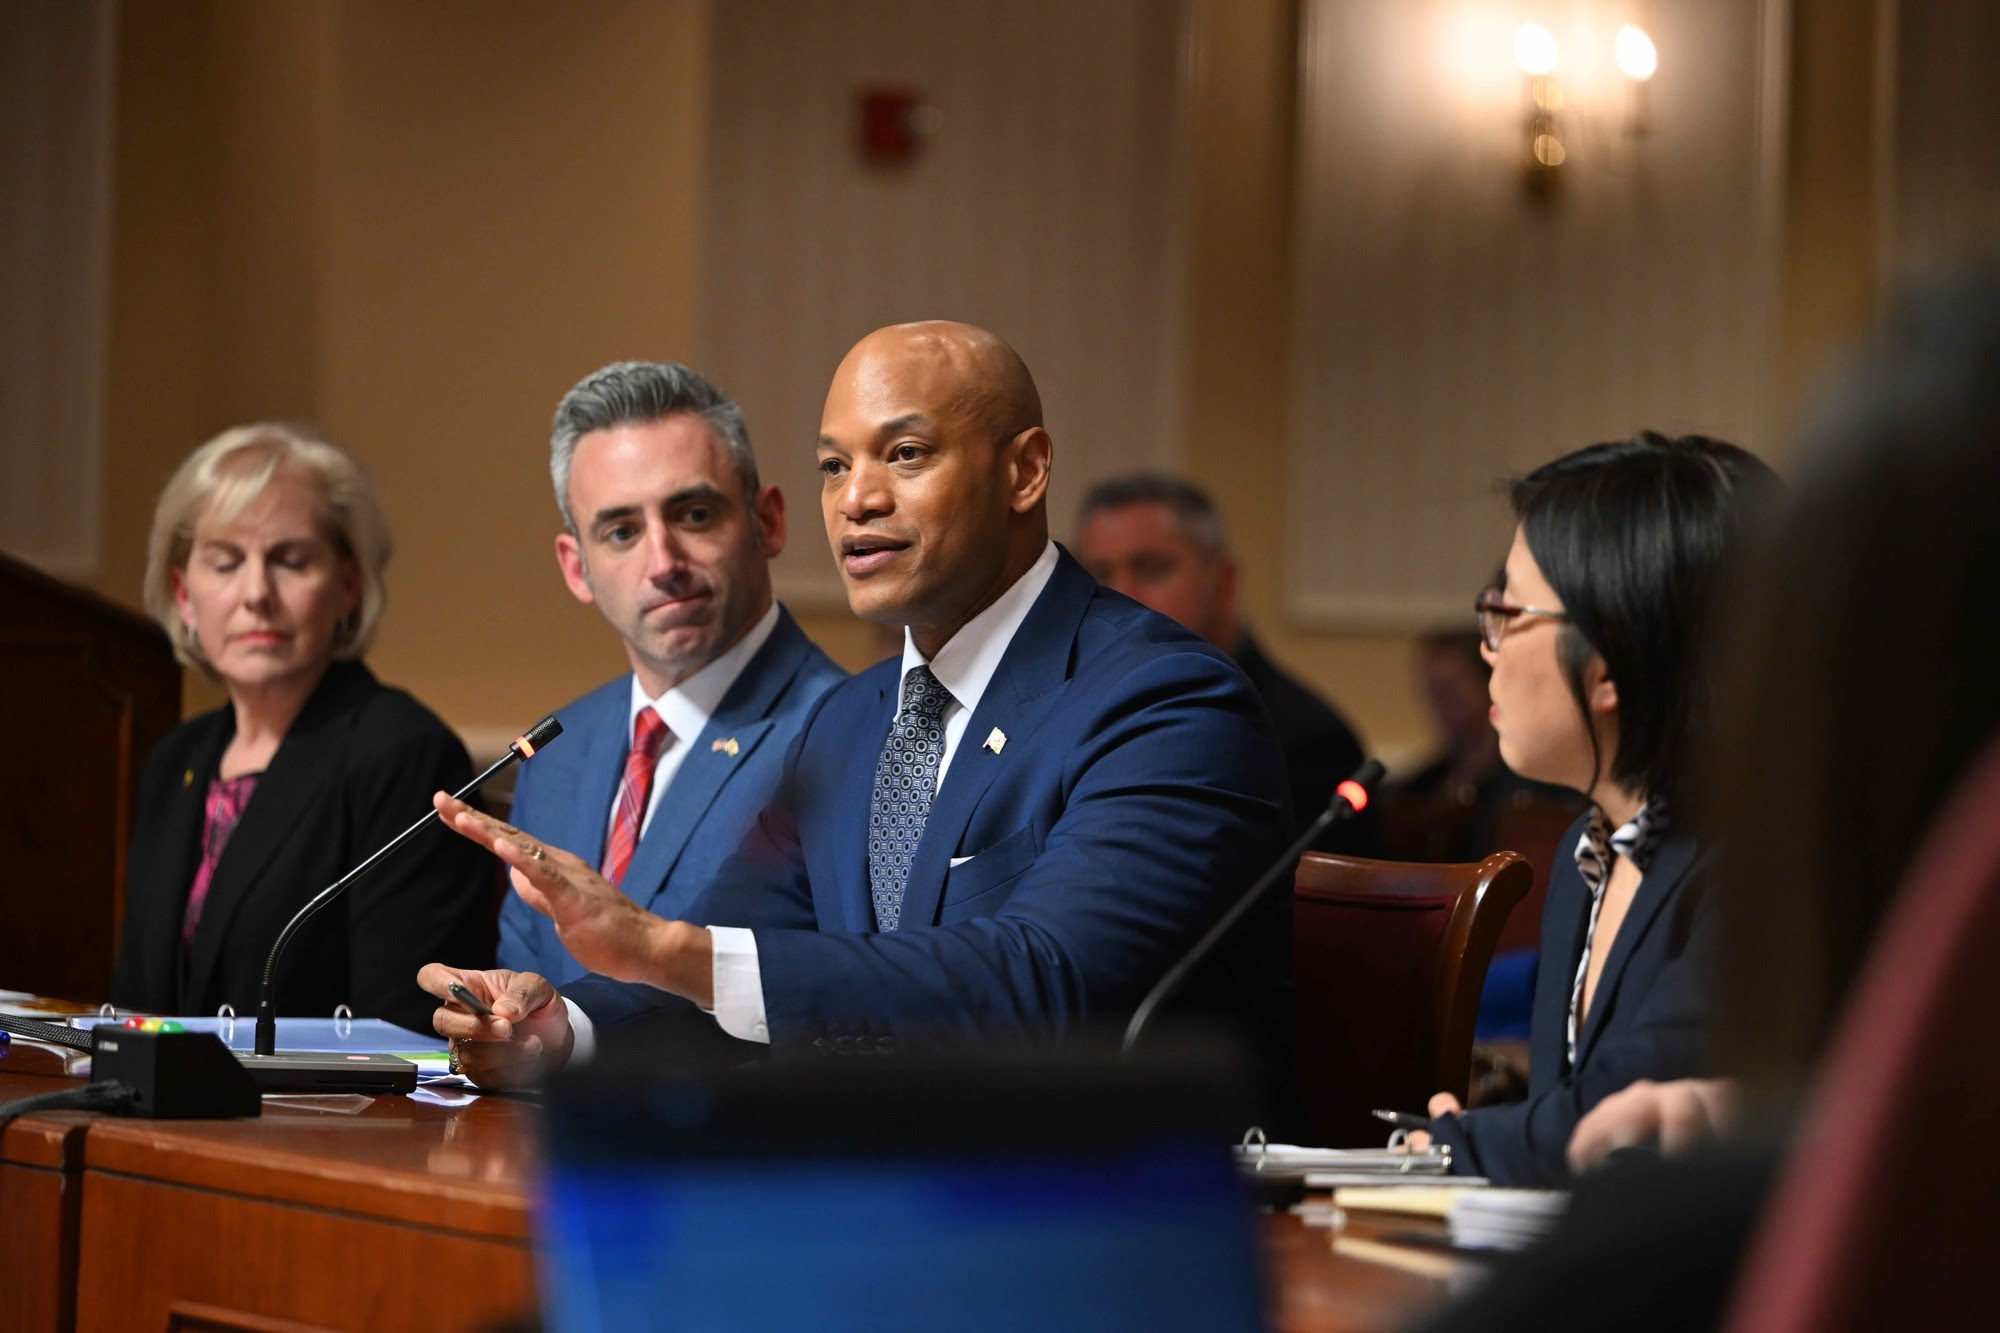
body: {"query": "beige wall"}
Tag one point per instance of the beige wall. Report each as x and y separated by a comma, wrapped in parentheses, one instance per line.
(1453, 327)
(1242, 66)
(1051, 219)
(58, 75)
(416, 225)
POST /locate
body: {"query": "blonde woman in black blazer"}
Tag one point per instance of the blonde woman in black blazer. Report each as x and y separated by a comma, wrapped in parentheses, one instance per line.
(265, 566)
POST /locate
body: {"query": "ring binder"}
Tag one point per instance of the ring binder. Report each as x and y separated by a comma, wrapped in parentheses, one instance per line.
(1257, 1154)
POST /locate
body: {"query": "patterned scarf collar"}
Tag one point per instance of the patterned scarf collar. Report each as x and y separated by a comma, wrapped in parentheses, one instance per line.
(1638, 842)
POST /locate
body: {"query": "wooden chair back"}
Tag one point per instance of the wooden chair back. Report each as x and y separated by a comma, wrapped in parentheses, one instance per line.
(1388, 960)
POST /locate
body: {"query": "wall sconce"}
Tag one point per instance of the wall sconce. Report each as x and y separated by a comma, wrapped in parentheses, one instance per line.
(1549, 125)
(1637, 59)
(1536, 52)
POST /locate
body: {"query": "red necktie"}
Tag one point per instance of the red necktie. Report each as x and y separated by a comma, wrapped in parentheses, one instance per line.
(649, 734)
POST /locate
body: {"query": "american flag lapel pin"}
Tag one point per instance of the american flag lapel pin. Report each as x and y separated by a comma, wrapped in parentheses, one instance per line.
(725, 744)
(996, 740)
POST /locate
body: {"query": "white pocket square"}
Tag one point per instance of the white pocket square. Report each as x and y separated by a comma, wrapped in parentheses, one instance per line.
(958, 861)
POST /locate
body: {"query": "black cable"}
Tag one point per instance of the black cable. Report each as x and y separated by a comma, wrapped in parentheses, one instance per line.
(57, 1034)
(109, 1095)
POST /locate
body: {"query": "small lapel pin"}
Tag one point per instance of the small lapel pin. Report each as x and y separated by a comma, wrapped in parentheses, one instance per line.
(726, 745)
(996, 740)
(187, 778)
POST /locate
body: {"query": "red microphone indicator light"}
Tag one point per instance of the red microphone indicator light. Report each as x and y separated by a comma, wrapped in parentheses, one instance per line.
(538, 735)
(1354, 794)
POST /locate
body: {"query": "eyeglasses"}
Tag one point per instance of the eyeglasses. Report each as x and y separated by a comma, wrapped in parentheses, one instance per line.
(1496, 615)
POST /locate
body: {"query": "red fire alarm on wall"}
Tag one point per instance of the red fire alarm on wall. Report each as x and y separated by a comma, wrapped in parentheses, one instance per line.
(893, 124)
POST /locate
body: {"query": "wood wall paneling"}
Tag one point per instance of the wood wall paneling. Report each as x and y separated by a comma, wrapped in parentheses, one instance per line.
(1945, 152)
(86, 689)
(404, 1215)
(41, 1158)
(38, 1260)
(228, 1262)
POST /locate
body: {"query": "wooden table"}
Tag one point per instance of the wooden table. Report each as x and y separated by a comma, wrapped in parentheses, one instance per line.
(41, 1163)
(405, 1215)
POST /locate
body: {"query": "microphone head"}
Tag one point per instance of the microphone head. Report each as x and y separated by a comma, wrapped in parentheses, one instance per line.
(1356, 790)
(538, 735)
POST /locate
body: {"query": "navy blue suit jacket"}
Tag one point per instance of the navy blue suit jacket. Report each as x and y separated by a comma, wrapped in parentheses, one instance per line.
(564, 797)
(1647, 1017)
(1139, 789)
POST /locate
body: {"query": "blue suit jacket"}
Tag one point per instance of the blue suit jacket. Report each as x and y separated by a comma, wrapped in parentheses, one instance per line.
(564, 797)
(1647, 1018)
(1139, 789)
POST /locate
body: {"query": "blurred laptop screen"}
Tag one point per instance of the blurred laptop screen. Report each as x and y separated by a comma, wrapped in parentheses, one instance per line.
(1088, 1214)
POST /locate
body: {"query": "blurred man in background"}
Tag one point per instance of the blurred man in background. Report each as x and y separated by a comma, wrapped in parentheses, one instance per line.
(1159, 540)
(1464, 802)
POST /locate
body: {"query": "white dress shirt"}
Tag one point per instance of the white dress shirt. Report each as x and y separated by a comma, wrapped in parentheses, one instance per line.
(965, 667)
(686, 709)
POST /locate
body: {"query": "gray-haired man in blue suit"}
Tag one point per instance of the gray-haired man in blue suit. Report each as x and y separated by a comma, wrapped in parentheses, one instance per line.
(662, 771)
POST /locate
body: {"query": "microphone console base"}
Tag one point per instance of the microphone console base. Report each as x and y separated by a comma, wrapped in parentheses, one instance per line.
(329, 1071)
(176, 1075)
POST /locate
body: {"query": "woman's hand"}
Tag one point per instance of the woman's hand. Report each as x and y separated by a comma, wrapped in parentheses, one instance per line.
(1679, 1116)
(1441, 1104)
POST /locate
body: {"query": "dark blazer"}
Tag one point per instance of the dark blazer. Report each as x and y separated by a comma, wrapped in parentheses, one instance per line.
(564, 797)
(1320, 750)
(1646, 1019)
(1136, 793)
(357, 767)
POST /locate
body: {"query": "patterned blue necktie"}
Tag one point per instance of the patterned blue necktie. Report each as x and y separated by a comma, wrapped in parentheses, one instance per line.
(905, 781)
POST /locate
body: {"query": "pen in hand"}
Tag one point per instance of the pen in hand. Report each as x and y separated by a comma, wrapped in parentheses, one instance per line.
(1402, 1119)
(469, 1000)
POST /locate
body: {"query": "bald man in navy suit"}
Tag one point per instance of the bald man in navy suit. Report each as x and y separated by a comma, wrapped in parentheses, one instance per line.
(1011, 830)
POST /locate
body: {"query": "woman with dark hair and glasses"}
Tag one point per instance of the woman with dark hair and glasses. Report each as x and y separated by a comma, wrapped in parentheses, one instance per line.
(1596, 634)
(1859, 697)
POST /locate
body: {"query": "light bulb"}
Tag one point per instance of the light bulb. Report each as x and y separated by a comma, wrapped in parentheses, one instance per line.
(1535, 49)
(1633, 49)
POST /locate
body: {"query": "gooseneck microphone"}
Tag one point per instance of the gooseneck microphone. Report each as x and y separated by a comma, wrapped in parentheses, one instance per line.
(522, 749)
(1350, 798)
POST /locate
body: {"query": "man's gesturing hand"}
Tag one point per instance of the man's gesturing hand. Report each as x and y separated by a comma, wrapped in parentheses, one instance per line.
(602, 928)
(528, 1035)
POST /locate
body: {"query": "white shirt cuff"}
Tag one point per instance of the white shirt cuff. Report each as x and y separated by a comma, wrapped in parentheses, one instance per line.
(583, 1033)
(739, 984)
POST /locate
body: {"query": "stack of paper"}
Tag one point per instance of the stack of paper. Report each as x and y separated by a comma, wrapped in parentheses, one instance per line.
(1493, 1219)
(1416, 1199)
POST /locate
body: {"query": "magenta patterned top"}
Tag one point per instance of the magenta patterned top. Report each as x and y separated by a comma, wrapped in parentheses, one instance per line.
(226, 799)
